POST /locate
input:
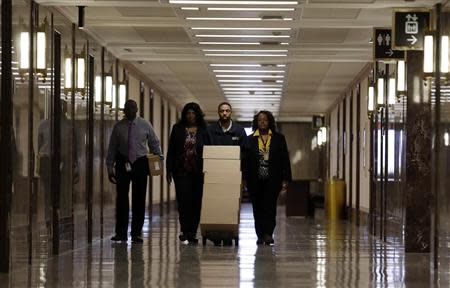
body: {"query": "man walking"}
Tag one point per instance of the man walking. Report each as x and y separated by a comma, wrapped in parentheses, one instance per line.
(130, 141)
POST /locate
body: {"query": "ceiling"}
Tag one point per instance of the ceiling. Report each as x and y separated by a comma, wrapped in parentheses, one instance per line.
(294, 58)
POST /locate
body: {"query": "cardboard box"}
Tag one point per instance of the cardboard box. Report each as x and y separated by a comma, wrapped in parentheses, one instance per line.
(221, 191)
(222, 152)
(221, 165)
(215, 177)
(155, 164)
(220, 211)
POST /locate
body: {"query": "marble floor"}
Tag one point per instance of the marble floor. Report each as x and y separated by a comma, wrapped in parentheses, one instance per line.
(307, 253)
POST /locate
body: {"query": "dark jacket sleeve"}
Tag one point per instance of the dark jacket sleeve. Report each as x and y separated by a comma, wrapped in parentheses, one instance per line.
(171, 151)
(285, 161)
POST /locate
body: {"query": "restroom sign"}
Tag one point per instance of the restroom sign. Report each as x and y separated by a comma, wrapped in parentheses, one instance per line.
(382, 45)
(410, 27)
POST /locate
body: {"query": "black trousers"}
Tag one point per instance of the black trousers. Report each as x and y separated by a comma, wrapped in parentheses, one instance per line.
(264, 202)
(189, 192)
(138, 177)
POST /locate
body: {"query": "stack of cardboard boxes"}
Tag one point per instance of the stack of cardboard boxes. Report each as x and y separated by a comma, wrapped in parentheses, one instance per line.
(221, 192)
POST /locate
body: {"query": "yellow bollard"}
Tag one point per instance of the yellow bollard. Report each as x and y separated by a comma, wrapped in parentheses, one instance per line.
(335, 199)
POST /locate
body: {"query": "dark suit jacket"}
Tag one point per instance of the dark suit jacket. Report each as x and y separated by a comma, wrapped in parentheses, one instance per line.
(279, 163)
(175, 153)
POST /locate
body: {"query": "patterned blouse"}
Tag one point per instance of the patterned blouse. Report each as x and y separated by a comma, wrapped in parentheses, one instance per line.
(190, 151)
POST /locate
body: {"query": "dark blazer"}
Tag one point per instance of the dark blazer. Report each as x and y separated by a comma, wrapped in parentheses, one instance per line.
(279, 163)
(175, 153)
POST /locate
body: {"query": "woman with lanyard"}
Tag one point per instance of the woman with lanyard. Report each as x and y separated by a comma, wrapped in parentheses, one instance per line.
(267, 171)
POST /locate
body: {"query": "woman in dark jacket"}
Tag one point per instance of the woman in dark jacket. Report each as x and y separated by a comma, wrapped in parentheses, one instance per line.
(267, 170)
(184, 164)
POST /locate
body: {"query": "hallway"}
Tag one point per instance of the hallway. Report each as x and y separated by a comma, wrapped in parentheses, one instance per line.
(307, 253)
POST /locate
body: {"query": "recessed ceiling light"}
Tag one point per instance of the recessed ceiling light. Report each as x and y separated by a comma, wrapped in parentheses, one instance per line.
(243, 28)
(235, 65)
(245, 55)
(251, 89)
(248, 71)
(239, 81)
(228, 2)
(251, 85)
(246, 50)
(248, 76)
(257, 93)
(240, 36)
(224, 18)
(228, 43)
(190, 8)
(248, 9)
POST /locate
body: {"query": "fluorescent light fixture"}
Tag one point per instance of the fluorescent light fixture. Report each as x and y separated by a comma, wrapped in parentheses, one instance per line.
(242, 81)
(240, 36)
(444, 54)
(250, 85)
(98, 89)
(24, 49)
(253, 94)
(284, 43)
(41, 51)
(248, 71)
(428, 52)
(446, 139)
(235, 65)
(246, 50)
(281, 65)
(380, 91)
(279, 81)
(243, 28)
(243, 55)
(224, 18)
(255, 98)
(229, 43)
(224, 2)
(392, 90)
(68, 73)
(401, 75)
(371, 99)
(248, 76)
(81, 69)
(249, 9)
(190, 8)
(251, 89)
(109, 89)
(122, 95)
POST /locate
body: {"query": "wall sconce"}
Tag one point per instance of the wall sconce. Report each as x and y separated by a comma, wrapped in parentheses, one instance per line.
(401, 78)
(392, 97)
(122, 94)
(445, 65)
(114, 98)
(322, 136)
(80, 72)
(108, 88)
(380, 91)
(370, 100)
(428, 55)
(41, 51)
(98, 89)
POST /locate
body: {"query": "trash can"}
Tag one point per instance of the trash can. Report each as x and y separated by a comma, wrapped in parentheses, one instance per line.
(335, 199)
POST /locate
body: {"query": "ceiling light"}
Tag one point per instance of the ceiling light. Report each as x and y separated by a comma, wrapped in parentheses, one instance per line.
(243, 28)
(244, 50)
(248, 9)
(246, 55)
(248, 76)
(235, 65)
(243, 81)
(281, 65)
(251, 89)
(190, 8)
(227, 2)
(240, 36)
(248, 71)
(225, 18)
(229, 43)
(279, 81)
(251, 85)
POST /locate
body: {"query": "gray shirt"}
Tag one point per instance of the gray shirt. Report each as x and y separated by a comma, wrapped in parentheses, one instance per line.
(118, 142)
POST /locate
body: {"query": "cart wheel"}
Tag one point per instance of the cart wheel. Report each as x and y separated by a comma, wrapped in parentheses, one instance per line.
(236, 241)
(204, 241)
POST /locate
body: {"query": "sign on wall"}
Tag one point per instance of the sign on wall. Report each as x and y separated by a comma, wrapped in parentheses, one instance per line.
(410, 27)
(382, 45)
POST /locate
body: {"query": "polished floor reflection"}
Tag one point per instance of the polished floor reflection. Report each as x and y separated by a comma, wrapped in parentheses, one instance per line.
(307, 253)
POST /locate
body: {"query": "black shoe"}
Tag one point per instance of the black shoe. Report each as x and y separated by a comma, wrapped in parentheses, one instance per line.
(227, 242)
(193, 241)
(259, 241)
(119, 238)
(182, 237)
(136, 240)
(268, 240)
